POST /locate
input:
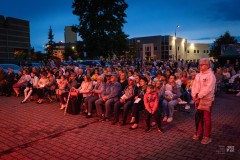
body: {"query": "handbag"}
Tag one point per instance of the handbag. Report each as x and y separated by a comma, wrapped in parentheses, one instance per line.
(205, 104)
(73, 92)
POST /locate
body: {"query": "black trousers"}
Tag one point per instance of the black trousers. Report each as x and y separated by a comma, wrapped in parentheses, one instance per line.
(156, 116)
(136, 108)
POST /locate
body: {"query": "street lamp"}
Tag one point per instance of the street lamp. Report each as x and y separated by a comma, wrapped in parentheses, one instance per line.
(176, 41)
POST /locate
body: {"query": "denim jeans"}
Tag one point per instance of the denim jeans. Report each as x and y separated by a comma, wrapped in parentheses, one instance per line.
(168, 107)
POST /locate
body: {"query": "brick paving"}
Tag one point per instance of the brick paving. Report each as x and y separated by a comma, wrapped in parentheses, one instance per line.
(33, 131)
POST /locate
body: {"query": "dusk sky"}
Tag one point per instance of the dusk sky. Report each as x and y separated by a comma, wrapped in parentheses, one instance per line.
(200, 21)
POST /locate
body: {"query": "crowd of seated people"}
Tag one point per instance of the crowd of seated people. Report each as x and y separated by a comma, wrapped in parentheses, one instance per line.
(156, 88)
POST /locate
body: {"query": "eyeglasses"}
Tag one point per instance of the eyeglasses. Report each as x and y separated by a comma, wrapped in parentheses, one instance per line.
(202, 64)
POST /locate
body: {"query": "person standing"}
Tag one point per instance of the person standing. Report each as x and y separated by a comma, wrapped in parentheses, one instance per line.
(203, 88)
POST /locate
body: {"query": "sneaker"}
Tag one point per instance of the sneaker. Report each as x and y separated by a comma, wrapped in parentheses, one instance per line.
(182, 102)
(165, 119)
(170, 119)
(206, 140)
(89, 116)
(62, 106)
(106, 119)
(153, 124)
(191, 102)
(195, 137)
(132, 120)
(187, 107)
(148, 129)
(160, 130)
(238, 95)
(134, 126)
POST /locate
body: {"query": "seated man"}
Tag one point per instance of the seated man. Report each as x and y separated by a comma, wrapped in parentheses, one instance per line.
(112, 93)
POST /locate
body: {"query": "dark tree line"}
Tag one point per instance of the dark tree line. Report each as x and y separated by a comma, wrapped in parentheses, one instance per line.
(101, 26)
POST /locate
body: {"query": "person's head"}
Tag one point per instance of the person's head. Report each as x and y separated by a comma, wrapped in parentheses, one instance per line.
(43, 75)
(130, 73)
(33, 74)
(114, 78)
(219, 71)
(184, 74)
(204, 64)
(20, 72)
(73, 76)
(193, 75)
(122, 76)
(80, 71)
(137, 78)
(131, 81)
(87, 78)
(150, 89)
(159, 84)
(153, 83)
(63, 77)
(143, 81)
(10, 70)
(99, 79)
(172, 79)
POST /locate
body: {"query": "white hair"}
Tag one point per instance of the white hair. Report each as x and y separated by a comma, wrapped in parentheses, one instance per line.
(205, 60)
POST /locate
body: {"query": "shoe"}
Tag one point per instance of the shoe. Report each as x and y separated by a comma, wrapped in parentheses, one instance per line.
(182, 102)
(191, 102)
(132, 120)
(165, 119)
(23, 102)
(39, 102)
(89, 116)
(153, 124)
(187, 107)
(206, 140)
(135, 126)
(148, 129)
(238, 95)
(62, 106)
(114, 122)
(104, 119)
(195, 137)
(170, 119)
(160, 130)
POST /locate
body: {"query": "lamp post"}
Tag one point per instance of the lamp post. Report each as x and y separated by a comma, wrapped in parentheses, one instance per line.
(176, 42)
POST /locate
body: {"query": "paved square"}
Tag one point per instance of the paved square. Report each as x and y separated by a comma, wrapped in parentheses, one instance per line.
(33, 131)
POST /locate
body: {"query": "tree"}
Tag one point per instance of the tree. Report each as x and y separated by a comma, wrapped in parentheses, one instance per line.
(223, 39)
(100, 26)
(49, 45)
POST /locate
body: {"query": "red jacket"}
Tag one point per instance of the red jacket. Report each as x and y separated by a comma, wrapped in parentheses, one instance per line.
(151, 101)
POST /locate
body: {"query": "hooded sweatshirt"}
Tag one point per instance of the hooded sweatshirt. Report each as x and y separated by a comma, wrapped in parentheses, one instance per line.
(204, 85)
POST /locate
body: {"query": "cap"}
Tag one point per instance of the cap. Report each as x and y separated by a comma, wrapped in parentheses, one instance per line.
(131, 78)
(108, 74)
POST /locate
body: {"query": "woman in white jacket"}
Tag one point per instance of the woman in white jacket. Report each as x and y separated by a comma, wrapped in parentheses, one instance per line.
(203, 88)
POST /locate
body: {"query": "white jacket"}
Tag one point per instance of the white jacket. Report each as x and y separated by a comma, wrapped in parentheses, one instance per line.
(204, 85)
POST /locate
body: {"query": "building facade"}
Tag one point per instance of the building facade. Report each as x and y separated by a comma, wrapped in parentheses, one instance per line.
(69, 35)
(14, 38)
(168, 48)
